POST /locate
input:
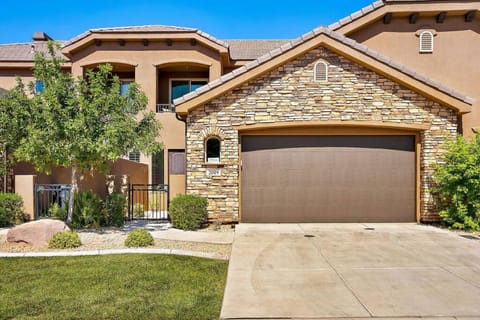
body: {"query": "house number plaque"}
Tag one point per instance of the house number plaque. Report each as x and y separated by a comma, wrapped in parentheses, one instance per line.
(214, 172)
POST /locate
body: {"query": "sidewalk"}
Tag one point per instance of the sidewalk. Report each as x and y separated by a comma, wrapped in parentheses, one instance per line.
(105, 252)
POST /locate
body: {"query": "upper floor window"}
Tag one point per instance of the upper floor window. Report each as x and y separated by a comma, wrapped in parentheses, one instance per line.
(320, 71)
(134, 156)
(124, 85)
(39, 86)
(426, 41)
(212, 150)
(180, 87)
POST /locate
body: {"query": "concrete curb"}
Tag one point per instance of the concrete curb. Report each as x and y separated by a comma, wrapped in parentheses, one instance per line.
(109, 251)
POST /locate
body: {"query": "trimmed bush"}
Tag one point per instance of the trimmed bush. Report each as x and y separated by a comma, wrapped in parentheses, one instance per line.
(87, 210)
(188, 212)
(65, 240)
(114, 210)
(139, 238)
(457, 184)
(11, 210)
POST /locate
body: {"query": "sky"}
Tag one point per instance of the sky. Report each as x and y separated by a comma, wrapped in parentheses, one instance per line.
(242, 19)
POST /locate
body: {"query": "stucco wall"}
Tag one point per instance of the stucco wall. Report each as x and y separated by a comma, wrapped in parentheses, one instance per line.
(452, 62)
(8, 78)
(288, 94)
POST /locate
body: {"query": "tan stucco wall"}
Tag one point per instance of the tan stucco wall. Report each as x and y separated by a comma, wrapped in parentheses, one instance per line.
(288, 94)
(24, 186)
(8, 77)
(452, 63)
(95, 181)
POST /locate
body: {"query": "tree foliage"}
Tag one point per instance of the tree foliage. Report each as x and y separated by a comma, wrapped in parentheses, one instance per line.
(82, 123)
(457, 184)
(15, 115)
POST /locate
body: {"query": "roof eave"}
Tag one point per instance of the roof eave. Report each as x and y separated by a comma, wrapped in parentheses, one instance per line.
(374, 13)
(90, 36)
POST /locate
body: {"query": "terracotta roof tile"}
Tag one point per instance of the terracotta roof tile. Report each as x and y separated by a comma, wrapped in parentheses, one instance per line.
(23, 52)
(356, 15)
(341, 38)
(144, 29)
(252, 49)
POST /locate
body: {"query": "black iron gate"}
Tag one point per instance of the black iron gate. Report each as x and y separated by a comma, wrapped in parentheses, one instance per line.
(148, 202)
(46, 195)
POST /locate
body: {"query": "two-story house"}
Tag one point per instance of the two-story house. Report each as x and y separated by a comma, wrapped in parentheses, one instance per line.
(340, 124)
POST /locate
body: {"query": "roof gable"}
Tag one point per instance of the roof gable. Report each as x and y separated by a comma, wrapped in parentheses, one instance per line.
(340, 44)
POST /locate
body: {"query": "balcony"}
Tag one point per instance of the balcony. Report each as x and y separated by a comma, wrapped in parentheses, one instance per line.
(165, 107)
(177, 79)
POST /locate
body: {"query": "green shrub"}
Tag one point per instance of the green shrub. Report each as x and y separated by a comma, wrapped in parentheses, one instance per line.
(457, 184)
(65, 240)
(188, 212)
(57, 212)
(139, 238)
(11, 210)
(114, 210)
(138, 210)
(87, 210)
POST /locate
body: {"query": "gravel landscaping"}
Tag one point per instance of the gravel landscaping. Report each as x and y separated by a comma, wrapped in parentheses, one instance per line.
(114, 239)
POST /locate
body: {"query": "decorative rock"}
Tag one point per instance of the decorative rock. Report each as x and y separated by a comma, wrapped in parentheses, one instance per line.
(36, 233)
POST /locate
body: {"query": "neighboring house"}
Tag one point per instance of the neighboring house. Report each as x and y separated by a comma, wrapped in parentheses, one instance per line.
(341, 124)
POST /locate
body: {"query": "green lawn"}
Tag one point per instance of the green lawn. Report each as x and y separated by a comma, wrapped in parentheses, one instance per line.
(111, 287)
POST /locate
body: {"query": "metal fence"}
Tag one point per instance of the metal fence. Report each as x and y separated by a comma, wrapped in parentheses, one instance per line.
(46, 195)
(148, 202)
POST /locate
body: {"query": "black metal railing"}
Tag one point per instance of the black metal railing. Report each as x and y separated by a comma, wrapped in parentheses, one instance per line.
(148, 202)
(46, 195)
(165, 107)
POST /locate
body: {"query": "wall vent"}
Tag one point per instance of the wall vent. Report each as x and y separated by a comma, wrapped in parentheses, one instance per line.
(426, 41)
(320, 72)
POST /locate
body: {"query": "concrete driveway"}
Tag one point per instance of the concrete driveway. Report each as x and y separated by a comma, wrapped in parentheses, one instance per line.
(352, 271)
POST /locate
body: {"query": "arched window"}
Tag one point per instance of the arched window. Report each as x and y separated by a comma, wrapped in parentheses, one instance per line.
(320, 72)
(426, 41)
(212, 150)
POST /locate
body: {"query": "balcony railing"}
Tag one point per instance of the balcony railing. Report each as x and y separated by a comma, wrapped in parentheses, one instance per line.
(165, 107)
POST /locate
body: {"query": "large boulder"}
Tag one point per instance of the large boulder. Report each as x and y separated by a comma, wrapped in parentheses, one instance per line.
(36, 233)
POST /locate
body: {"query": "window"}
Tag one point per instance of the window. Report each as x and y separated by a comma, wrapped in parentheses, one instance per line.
(39, 86)
(176, 162)
(124, 85)
(181, 87)
(426, 41)
(320, 72)
(134, 156)
(212, 150)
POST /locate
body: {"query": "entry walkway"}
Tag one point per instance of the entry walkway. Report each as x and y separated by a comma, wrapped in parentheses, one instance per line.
(350, 271)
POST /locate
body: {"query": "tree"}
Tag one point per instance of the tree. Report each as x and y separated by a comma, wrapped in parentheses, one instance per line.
(457, 184)
(81, 123)
(15, 114)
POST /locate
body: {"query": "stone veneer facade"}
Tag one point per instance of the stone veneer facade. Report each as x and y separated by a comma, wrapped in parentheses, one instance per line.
(287, 94)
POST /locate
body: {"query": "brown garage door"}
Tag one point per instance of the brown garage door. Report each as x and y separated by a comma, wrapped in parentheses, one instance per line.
(328, 179)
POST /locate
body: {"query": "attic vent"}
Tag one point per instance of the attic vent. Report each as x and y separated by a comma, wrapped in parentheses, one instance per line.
(320, 72)
(426, 41)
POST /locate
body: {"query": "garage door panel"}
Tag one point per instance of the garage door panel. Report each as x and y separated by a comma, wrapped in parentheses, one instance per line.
(328, 179)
